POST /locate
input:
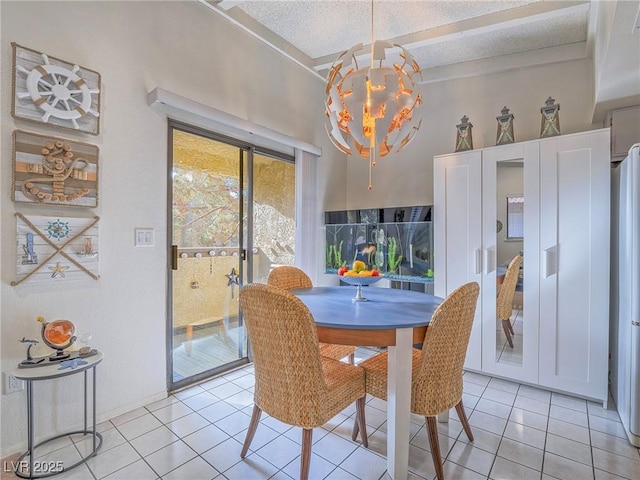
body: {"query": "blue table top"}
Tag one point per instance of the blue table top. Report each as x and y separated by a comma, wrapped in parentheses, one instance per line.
(387, 307)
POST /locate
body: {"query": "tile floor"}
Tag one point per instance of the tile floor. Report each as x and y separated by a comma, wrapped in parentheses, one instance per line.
(520, 433)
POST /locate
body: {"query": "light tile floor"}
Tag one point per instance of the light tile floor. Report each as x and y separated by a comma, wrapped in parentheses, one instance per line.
(520, 432)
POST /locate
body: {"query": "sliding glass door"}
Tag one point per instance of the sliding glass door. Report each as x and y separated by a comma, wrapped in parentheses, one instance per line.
(231, 219)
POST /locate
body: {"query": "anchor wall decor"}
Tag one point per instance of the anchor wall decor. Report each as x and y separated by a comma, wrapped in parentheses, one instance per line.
(55, 249)
(54, 171)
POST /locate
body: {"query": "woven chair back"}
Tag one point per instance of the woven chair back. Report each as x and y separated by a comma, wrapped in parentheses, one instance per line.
(504, 305)
(437, 386)
(289, 278)
(288, 373)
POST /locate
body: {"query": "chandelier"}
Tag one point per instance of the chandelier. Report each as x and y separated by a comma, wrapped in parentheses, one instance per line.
(372, 109)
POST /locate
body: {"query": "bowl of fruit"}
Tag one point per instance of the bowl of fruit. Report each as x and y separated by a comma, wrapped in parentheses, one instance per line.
(359, 275)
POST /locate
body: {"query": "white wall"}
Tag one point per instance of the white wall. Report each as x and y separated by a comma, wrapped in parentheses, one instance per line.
(136, 46)
(406, 178)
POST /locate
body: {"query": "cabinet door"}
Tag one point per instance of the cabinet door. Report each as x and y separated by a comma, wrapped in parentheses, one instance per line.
(574, 259)
(510, 196)
(457, 234)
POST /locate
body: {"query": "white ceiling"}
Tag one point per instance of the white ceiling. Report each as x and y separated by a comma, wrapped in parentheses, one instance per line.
(448, 38)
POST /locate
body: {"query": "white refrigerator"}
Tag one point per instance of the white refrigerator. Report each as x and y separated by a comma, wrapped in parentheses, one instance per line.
(625, 293)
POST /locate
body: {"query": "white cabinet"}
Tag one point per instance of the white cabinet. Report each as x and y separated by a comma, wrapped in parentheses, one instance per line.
(457, 242)
(574, 242)
(561, 226)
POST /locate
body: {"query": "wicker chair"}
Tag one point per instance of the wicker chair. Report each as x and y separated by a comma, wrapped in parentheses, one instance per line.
(290, 278)
(504, 302)
(437, 369)
(293, 382)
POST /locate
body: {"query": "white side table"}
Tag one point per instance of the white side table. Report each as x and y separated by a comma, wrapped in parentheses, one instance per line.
(50, 372)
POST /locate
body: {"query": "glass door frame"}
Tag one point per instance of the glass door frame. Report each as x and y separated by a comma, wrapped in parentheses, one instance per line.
(245, 262)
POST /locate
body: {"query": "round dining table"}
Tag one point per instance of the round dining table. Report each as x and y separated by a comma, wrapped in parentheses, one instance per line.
(391, 318)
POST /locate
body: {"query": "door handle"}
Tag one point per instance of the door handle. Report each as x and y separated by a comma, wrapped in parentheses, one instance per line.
(478, 261)
(174, 257)
(486, 254)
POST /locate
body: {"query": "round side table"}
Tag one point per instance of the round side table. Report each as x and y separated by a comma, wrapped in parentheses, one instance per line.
(51, 372)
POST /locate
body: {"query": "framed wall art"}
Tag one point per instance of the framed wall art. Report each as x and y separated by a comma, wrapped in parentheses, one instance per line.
(56, 249)
(54, 171)
(54, 92)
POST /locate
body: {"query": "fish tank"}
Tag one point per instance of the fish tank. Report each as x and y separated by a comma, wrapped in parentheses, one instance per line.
(397, 241)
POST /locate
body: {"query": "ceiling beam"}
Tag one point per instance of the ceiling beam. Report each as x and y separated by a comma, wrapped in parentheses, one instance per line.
(238, 17)
(497, 21)
(504, 63)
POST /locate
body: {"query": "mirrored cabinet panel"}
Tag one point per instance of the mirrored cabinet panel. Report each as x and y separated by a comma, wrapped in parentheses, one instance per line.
(510, 222)
(510, 206)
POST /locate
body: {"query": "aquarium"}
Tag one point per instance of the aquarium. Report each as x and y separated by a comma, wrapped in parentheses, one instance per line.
(396, 241)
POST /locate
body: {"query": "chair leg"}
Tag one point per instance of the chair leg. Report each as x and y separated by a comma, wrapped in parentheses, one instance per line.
(305, 459)
(434, 444)
(356, 429)
(255, 419)
(462, 415)
(507, 331)
(360, 424)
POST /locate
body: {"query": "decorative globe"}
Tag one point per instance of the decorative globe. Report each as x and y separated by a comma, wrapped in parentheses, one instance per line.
(58, 334)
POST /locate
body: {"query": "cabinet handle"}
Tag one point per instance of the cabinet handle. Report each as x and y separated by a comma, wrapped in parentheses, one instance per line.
(478, 261)
(549, 262)
(487, 261)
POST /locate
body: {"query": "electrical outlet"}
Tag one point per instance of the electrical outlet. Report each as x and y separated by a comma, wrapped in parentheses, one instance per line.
(11, 384)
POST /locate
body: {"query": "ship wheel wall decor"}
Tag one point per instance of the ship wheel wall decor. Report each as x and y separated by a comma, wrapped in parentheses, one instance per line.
(55, 92)
(54, 171)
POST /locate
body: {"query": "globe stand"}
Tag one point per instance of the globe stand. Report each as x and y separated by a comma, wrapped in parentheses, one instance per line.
(60, 354)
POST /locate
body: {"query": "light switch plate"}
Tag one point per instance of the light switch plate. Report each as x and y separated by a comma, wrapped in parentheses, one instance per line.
(143, 237)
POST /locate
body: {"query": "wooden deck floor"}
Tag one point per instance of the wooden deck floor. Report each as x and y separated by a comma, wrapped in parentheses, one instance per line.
(211, 346)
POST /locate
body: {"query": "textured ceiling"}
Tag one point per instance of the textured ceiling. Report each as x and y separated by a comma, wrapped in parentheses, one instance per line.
(439, 34)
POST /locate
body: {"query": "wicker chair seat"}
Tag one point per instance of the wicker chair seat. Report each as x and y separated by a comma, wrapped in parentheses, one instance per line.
(336, 352)
(376, 368)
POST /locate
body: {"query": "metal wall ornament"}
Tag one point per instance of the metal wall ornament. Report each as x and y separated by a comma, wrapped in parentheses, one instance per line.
(550, 123)
(54, 92)
(54, 171)
(464, 138)
(505, 127)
